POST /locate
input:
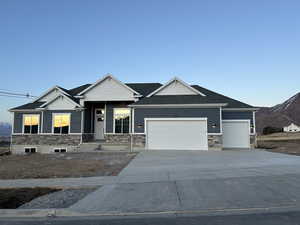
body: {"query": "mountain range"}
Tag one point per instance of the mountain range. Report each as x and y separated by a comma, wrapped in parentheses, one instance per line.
(5, 129)
(279, 115)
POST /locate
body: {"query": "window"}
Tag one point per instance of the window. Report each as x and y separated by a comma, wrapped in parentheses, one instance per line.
(61, 123)
(122, 120)
(31, 124)
(30, 150)
(60, 150)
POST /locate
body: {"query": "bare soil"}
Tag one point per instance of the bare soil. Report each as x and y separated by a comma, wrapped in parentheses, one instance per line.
(280, 136)
(288, 143)
(12, 198)
(4, 148)
(63, 165)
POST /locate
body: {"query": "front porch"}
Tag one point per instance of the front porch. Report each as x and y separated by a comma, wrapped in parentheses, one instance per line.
(110, 125)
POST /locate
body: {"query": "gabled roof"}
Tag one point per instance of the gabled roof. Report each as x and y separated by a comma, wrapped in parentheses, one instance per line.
(149, 89)
(292, 123)
(175, 79)
(59, 96)
(109, 76)
(60, 89)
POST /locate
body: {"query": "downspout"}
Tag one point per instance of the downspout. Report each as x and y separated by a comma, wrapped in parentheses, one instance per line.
(12, 131)
(131, 130)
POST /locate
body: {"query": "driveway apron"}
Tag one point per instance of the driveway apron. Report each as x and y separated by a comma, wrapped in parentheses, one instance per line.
(162, 181)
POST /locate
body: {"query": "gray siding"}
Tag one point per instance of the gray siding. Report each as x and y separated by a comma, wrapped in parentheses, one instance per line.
(212, 115)
(238, 115)
(109, 117)
(87, 120)
(75, 120)
(18, 121)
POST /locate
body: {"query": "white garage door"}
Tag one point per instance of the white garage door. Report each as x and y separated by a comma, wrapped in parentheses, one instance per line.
(176, 133)
(236, 133)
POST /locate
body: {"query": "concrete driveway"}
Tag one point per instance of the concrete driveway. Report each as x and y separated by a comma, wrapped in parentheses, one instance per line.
(164, 181)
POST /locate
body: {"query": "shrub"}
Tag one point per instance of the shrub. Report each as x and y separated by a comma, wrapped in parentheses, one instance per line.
(271, 130)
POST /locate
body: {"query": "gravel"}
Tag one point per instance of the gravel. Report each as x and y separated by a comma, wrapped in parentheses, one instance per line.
(59, 199)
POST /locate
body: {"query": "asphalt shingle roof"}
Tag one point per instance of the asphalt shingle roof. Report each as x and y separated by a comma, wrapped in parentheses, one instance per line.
(211, 97)
(31, 105)
(77, 90)
(144, 88)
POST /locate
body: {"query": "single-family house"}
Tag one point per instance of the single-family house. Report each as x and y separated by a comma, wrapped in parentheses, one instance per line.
(291, 128)
(170, 116)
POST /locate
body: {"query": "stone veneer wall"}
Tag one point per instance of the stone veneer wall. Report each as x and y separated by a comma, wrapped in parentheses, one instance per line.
(47, 139)
(215, 142)
(137, 139)
(253, 141)
(86, 137)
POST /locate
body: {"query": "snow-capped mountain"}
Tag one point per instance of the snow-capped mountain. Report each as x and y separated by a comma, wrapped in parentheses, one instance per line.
(279, 115)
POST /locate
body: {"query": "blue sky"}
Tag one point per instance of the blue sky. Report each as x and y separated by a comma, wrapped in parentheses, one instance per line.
(248, 50)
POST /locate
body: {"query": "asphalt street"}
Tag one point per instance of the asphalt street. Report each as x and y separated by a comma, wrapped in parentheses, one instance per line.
(284, 218)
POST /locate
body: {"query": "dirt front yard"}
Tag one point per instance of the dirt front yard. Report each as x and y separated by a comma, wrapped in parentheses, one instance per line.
(288, 143)
(63, 165)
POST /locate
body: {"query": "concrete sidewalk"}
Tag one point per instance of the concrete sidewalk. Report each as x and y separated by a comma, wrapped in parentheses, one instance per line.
(161, 181)
(59, 182)
(230, 193)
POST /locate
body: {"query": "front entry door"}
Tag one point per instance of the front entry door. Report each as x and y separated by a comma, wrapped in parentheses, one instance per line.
(99, 124)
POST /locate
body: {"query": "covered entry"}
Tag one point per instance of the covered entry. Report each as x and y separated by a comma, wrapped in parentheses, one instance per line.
(236, 133)
(176, 133)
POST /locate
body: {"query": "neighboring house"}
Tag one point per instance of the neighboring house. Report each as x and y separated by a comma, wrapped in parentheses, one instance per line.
(291, 128)
(175, 115)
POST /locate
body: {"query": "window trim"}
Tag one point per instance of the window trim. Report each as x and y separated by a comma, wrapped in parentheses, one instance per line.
(53, 115)
(114, 122)
(23, 119)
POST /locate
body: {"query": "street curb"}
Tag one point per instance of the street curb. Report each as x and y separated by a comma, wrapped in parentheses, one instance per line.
(42, 213)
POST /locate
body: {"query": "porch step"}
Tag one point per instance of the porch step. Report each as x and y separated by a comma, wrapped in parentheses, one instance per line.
(89, 147)
(115, 147)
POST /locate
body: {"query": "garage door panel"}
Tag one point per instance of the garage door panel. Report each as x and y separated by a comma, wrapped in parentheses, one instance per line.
(177, 134)
(236, 134)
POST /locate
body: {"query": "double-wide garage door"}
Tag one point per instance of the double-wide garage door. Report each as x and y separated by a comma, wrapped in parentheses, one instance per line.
(176, 133)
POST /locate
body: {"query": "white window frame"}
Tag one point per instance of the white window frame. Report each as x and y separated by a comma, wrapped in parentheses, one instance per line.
(30, 148)
(34, 114)
(60, 148)
(53, 115)
(114, 131)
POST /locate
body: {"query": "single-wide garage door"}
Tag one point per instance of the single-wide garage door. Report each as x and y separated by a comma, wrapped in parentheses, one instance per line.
(236, 133)
(176, 133)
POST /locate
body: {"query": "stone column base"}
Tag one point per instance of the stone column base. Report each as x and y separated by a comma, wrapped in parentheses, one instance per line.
(215, 142)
